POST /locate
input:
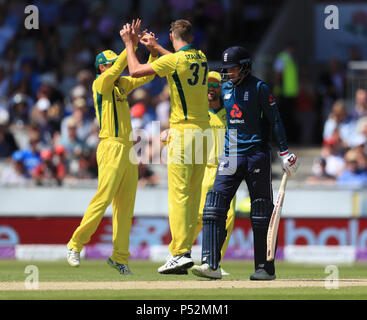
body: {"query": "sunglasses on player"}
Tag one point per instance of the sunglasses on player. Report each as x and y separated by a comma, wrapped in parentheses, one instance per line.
(213, 85)
(108, 62)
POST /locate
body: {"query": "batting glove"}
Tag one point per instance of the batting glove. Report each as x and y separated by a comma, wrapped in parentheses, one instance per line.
(290, 162)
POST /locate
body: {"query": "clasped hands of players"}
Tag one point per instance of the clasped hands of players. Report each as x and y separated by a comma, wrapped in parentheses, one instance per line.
(131, 32)
(289, 162)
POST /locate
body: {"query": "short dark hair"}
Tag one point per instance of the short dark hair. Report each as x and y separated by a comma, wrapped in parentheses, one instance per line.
(182, 29)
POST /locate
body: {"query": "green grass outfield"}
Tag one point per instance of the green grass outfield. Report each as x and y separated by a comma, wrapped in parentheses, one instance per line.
(13, 271)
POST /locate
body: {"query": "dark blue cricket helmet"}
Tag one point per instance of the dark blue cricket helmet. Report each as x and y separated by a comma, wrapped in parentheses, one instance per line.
(235, 57)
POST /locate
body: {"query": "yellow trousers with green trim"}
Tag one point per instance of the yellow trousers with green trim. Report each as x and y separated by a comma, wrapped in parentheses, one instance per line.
(186, 162)
(208, 182)
(117, 183)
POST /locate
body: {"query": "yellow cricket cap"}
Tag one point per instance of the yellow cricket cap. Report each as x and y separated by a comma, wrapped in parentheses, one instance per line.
(105, 57)
(214, 75)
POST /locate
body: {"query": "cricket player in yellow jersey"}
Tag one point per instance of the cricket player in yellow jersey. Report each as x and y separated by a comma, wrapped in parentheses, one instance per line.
(186, 71)
(218, 123)
(117, 174)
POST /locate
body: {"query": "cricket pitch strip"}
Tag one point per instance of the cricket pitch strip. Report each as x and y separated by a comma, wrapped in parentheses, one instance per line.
(191, 284)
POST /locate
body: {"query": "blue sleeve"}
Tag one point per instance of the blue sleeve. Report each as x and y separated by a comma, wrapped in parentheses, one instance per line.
(271, 111)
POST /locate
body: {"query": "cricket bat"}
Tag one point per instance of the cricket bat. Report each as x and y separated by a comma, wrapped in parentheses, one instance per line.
(274, 220)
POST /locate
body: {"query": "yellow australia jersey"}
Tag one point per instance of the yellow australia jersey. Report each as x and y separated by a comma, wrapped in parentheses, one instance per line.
(218, 123)
(186, 71)
(110, 99)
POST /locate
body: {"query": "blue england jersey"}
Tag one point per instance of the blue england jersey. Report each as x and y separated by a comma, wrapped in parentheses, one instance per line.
(252, 117)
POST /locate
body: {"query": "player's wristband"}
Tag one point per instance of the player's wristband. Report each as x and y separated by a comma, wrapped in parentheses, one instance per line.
(283, 154)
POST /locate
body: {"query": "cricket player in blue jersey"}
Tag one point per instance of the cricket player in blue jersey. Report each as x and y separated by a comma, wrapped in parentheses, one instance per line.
(252, 116)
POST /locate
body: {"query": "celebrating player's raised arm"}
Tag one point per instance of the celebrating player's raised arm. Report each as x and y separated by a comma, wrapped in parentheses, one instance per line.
(110, 66)
(152, 44)
(136, 69)
(129, 83)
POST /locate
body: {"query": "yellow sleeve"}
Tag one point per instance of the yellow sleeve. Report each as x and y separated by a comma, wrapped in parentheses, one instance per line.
(165, 65)
(128, 83)
(105, 82)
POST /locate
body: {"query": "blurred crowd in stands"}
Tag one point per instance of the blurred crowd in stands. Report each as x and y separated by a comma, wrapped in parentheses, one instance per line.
(48, 129)
(343, 158)
(320, 113)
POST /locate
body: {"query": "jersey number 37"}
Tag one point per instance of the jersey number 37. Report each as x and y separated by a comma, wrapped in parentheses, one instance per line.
(196, 71)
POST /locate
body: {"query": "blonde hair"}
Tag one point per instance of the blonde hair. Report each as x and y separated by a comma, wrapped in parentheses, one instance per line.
(182, 29)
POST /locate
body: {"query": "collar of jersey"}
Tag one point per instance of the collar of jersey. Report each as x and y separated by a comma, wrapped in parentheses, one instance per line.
(213, 111)
(187, 47)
